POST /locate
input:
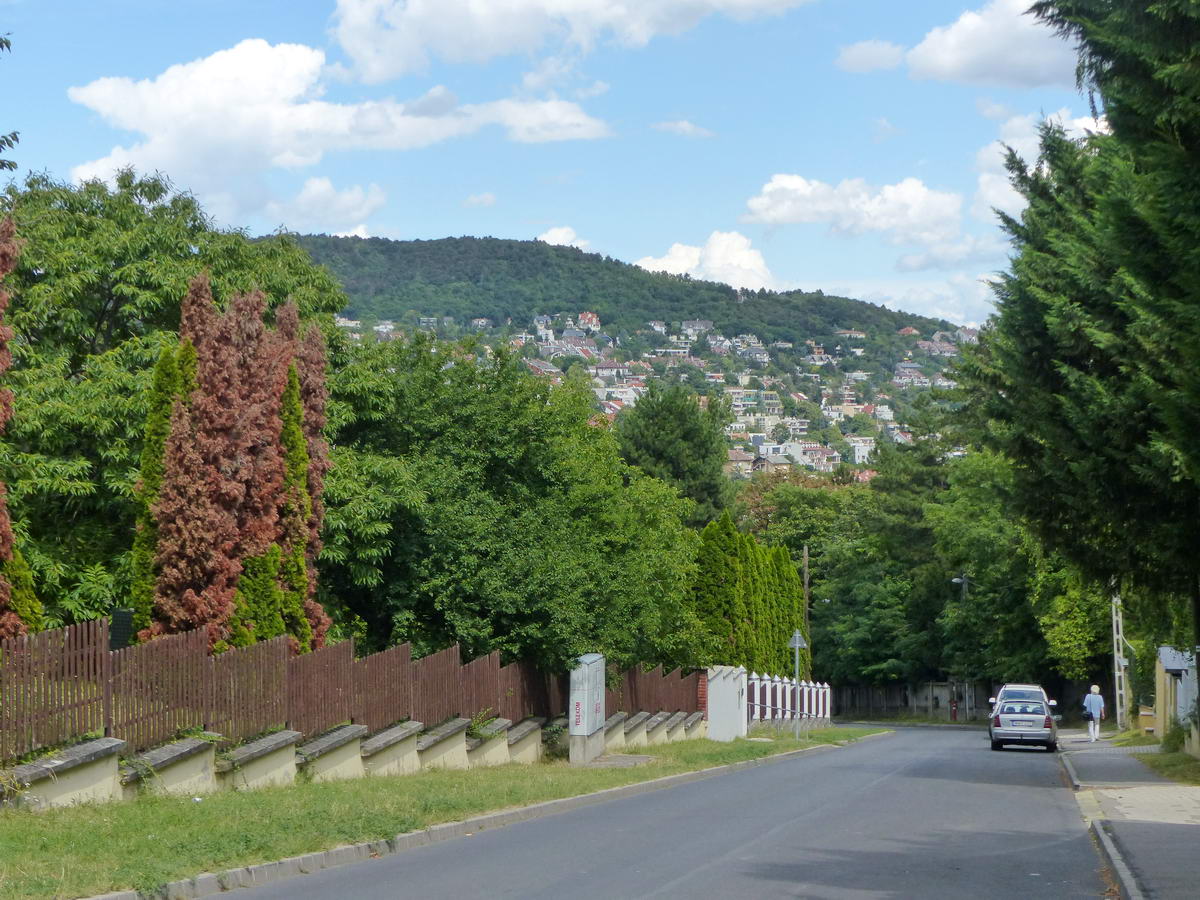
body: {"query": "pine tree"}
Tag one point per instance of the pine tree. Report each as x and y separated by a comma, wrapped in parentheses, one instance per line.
(11, 622)
(669, 436)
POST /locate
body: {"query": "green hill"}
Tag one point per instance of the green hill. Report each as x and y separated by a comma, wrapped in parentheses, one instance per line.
(472, 277)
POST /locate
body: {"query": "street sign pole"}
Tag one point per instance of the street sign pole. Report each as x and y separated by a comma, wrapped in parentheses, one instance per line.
(797, 643)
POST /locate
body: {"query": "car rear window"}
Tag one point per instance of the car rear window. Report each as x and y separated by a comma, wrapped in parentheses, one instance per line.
(1022, 695)
(1022, 708)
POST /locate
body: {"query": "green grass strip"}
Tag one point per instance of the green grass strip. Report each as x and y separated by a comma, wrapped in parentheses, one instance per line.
(96, 848)
(1181, 767)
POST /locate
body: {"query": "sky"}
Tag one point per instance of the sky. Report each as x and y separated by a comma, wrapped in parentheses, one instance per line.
(851, 146)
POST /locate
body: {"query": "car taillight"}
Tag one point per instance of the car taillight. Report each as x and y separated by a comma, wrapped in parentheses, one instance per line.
(1049, 723)
(996, 720)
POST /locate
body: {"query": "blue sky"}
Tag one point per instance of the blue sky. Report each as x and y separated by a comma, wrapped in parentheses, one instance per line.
(846, 145)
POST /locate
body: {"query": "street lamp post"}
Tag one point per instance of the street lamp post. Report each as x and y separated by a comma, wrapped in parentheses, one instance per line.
(964, 579)
(797, 643)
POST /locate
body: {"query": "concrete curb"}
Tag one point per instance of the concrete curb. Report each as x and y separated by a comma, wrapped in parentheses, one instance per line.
(208, 884)
(1071, 773)
(1108, 847)
(1129, 885)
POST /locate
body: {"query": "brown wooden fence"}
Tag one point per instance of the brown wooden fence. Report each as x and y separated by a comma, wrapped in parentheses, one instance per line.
(653, 691)
(52, 687)
(61, 685)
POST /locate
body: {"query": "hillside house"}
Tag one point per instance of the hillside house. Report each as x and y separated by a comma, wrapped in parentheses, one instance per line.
(738, 462)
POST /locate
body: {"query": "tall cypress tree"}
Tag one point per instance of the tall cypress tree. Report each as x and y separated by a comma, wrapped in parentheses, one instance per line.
(716, 595)
(237, 468)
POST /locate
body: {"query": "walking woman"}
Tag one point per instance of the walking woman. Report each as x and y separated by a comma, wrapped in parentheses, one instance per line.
(1093, 711)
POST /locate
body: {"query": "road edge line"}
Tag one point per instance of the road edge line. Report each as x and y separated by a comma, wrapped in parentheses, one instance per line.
(207, 884)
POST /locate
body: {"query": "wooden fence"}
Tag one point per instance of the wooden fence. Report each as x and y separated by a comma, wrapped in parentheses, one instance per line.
(63, 684)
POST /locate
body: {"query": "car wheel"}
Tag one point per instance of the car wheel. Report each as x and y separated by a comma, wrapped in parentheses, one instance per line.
(1052, 746)
(995, 745)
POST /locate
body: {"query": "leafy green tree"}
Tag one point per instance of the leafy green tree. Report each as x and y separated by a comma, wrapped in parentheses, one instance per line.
(668, 436)
(9, 140)
(472, 502)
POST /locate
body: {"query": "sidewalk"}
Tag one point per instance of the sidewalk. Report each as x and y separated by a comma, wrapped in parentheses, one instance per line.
(1153, 823)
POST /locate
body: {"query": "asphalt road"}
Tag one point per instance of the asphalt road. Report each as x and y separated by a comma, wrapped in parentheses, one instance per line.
(922, 813)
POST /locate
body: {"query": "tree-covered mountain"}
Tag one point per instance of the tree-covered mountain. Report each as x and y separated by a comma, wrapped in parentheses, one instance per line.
(497, 279)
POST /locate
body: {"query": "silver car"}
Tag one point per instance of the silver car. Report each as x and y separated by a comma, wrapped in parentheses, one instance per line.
(1023, 722)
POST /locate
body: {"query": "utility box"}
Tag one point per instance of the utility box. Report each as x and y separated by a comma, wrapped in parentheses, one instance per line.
(585, 711)
(726, 703)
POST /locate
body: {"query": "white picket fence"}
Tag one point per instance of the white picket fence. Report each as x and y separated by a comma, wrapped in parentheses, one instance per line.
(774, 699)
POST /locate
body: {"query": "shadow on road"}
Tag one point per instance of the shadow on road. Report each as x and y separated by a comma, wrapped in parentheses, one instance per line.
(936, 867)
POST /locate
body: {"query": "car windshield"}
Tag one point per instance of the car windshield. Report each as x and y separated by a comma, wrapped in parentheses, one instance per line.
(1022, 708)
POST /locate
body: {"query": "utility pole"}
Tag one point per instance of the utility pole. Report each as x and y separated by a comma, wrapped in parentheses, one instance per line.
(807, 603)
(1120, 686)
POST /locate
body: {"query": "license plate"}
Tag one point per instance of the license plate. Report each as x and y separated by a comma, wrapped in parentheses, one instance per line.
(1020, 723)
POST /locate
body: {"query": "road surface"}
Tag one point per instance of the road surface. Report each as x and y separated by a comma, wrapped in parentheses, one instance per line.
(923, 813)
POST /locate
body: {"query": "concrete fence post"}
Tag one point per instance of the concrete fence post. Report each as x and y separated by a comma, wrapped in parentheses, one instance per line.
(752, 706)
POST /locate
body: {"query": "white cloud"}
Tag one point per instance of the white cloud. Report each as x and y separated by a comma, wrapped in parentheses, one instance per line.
(258, 106)
(563, 235)
(883, 130)
(868, 56)
(907, 212)
(963, 298)
(683, 128)
(358, 231)
(996, 44)
(386, 38)
(726, 256)
(320, 205)
(953, 254)
(990, 109)
(993, 189)
(595, 89)
(487, 198)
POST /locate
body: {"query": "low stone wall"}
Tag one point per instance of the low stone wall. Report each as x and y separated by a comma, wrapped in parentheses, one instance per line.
(90, 772)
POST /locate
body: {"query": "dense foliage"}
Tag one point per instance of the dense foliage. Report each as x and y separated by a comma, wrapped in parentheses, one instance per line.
(884, 557)
(472, 502)
(96, 297)
(502, 279)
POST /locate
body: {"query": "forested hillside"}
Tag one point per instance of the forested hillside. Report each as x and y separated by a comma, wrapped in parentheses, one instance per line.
(472, 277)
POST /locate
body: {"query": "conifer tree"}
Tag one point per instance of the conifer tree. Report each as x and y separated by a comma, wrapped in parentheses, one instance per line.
(246, 427)
(669, 436)
(716, 594)
(164, 391)
(23, 599)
